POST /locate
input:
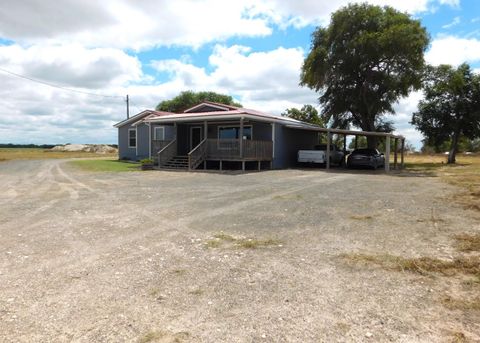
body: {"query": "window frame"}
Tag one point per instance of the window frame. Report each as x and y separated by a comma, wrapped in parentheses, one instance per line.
(234, 126)
(130, 138)
(155, 128)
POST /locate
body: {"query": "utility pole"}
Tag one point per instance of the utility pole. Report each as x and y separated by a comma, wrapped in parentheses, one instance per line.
(128, 107)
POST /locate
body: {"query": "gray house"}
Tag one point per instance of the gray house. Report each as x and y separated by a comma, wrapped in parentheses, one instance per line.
(212, 135)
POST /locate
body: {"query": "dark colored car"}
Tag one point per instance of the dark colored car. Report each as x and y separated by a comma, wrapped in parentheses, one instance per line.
(366, 158)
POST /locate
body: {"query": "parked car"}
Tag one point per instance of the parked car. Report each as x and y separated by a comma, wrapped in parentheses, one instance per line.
(319, 155)
(370, 158)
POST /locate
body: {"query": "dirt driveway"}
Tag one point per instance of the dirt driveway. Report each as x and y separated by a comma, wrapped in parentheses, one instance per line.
(200, 257)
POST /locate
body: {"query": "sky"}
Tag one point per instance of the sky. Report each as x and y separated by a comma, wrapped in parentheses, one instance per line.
(152, 50)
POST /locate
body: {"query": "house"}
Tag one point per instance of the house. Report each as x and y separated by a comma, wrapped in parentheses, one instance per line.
(213, 135)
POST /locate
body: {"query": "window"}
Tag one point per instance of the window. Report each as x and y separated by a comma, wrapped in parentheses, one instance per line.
(233, 132)
(132, 138)
(159, 133)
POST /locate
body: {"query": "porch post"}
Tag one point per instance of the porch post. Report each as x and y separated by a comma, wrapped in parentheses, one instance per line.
(205, 136)
(387, 153)
(149, 141)
(241, 137)
(329, 139)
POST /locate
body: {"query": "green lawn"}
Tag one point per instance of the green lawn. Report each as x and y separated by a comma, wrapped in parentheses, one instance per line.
(7, 154)
(105, 165)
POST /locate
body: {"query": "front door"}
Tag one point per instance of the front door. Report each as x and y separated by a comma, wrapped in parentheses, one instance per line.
(195, 136)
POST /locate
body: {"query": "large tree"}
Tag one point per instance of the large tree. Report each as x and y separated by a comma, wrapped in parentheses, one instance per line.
(189, 99)
(451, 108)
(307, 113)
(363, 63)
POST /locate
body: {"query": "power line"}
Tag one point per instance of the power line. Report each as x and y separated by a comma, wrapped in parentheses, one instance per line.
(57, 86)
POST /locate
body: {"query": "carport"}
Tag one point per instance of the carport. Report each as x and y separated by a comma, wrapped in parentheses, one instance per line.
(388, 137)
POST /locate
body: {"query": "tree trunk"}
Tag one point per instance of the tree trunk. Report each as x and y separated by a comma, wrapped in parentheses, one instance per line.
(372, 142)
(453, 148)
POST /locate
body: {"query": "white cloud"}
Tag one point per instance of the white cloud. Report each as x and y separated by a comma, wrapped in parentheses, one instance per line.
(453, 3)
(263, 80)
(454, 22)
(453, 50)
(146, 23)
(72, 65)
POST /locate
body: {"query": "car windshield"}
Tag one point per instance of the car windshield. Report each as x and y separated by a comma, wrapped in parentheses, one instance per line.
(365, 152)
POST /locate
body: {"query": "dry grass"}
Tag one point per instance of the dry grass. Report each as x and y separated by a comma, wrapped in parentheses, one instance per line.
(462, 304)
(361, 217)
(164, 337)
(257, 243)
(40, 154)
(197, 291)
(459, 337)
(468, 243)
(465, 174)
(420, 265)
(222, 239)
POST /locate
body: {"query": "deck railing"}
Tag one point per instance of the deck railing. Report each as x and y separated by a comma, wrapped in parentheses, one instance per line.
(197, 155)
(158, 145)
(231, 149)
(167, 153)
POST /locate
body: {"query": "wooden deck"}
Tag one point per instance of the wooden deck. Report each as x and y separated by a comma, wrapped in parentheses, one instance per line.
(231, 150)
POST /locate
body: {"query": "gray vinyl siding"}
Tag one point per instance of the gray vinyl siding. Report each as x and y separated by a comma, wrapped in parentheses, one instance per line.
(169, 131)
(141, 151)
(288, 142)
(124, 152)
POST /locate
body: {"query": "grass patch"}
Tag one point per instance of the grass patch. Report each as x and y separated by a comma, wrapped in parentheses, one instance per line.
(462, 304)
(465, 174)
(459, 337)
(222, 239)
(164, 336)
(360, 217)
(288, 197)
(105, 165)
(468, 243)
(7, 154)
(420, 265)
(197, 291)
(213, 243)
(256, 243)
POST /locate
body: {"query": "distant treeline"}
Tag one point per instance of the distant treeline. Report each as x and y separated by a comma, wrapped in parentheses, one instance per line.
(27, 146)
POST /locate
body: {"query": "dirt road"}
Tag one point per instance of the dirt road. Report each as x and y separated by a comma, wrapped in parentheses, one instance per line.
(112, 257)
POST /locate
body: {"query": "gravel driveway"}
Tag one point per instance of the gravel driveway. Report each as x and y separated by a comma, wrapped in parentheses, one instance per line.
(205, 257)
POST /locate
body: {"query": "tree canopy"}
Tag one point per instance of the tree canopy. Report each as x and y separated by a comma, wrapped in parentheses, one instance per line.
(307, 113)
(451, 107)
(363, 62)
(189, 99)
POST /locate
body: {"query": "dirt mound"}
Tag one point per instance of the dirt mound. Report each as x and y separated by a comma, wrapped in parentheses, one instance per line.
(95, 148)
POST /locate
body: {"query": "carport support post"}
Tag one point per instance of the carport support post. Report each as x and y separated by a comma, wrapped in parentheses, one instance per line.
(329, 139)
(387, 153)
(344, 145)
(402, 148)
(356, 141)
(395, 155)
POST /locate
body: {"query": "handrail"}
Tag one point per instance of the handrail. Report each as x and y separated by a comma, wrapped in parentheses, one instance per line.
(197, 155)
(169, 151)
